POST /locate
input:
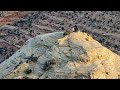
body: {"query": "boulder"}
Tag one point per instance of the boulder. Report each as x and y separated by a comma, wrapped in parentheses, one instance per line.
(55, 56)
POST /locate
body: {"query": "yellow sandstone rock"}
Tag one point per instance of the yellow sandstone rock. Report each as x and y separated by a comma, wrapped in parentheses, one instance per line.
(76, 56)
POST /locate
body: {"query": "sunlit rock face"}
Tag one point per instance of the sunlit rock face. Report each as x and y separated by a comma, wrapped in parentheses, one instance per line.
(55, 56)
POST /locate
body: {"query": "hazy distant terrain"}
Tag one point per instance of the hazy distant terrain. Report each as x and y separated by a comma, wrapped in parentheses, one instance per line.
(104, 26)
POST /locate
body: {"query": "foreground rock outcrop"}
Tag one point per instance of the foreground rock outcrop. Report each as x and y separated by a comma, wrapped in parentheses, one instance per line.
(54, 56)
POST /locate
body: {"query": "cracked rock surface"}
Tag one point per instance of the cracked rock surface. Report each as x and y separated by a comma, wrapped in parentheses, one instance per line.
(54, 56)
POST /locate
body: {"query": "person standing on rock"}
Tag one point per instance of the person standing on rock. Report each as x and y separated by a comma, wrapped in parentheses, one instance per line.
(74, 29)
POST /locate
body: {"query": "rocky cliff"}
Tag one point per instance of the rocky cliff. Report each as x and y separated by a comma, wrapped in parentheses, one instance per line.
(55, 56)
